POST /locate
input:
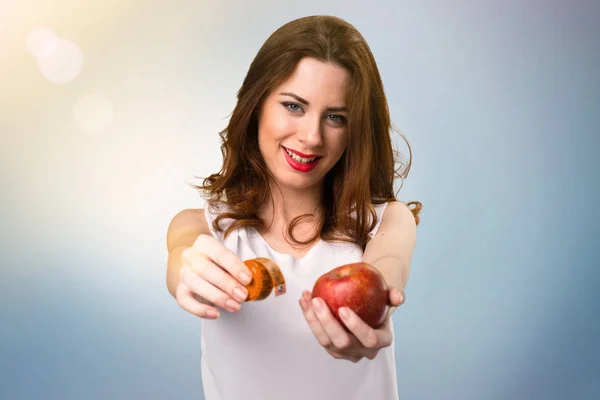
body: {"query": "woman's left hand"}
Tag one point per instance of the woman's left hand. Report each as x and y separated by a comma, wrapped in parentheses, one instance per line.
(361, 341)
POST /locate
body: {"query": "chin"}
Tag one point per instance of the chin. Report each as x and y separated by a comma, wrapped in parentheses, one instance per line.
(291, 180)
(296, 184)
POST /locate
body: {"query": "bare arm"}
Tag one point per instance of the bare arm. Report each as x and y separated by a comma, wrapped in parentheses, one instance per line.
(391, 249)
(390, 252)
(183, 230)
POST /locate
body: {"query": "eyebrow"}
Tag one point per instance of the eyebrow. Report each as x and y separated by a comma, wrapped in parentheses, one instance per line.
(305, 102)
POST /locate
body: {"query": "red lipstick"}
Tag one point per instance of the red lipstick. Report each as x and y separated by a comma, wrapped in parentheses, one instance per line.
(300, 166)
(303, 155)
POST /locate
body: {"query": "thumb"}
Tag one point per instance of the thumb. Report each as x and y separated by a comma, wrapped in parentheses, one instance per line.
(397, 297)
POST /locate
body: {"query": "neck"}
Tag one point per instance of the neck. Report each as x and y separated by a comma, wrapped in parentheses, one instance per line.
(288, 204)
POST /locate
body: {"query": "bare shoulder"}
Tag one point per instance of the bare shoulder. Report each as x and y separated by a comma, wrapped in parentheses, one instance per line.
(396, 236)
(185, 227)
(398, 216)
(398, 225)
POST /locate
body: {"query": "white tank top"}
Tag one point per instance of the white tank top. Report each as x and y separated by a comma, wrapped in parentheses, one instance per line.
(266, 351)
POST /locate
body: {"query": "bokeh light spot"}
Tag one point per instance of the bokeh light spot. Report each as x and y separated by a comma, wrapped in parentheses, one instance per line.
(60, 62)
(41, 42)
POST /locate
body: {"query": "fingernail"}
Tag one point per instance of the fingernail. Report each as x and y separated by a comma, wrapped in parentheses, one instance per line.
(240, 294)
(344, 312)
(232, 305)
(212, 313)
(401, 295)
(317, 304)
(245, 277)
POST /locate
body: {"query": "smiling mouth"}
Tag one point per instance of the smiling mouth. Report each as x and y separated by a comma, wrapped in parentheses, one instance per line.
(299, 159)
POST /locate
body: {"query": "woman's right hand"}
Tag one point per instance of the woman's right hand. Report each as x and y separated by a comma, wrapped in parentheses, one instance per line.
(211, 276)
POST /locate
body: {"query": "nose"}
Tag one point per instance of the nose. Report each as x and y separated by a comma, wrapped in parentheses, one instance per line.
(310, 134)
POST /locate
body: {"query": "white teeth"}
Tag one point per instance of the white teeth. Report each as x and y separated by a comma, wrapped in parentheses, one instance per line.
(300, 159)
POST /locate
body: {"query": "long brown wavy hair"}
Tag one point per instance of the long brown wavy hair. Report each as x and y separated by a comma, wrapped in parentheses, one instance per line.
(366, 172)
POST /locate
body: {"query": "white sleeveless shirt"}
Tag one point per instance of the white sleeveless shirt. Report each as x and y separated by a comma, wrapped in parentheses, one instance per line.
(266, 351)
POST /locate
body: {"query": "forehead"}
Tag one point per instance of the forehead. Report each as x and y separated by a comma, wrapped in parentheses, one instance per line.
(319, 82)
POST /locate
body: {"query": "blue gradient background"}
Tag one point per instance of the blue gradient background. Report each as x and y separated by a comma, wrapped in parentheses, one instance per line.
(499, 100)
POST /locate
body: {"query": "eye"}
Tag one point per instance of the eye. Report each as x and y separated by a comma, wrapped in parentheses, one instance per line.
(337, 119)
(290, 105)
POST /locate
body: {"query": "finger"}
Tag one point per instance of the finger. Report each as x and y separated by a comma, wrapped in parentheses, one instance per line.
(397, 297)
(205, 289)
(339, 356)
(313, 322)
(223, 257)
(186, 300)
(335, 355)
(200, 298)
(330, 324)
(218, 277)
(367, 336)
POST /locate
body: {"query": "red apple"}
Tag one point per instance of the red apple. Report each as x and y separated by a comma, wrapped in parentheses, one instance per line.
(358, 286)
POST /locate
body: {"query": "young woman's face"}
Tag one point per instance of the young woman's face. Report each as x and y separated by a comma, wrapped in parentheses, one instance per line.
(302, 126)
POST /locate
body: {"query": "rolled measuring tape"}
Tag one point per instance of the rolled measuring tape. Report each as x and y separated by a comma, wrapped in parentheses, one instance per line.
(266, 277)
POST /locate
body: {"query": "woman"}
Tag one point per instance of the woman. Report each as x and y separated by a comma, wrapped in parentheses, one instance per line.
(307, 181)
